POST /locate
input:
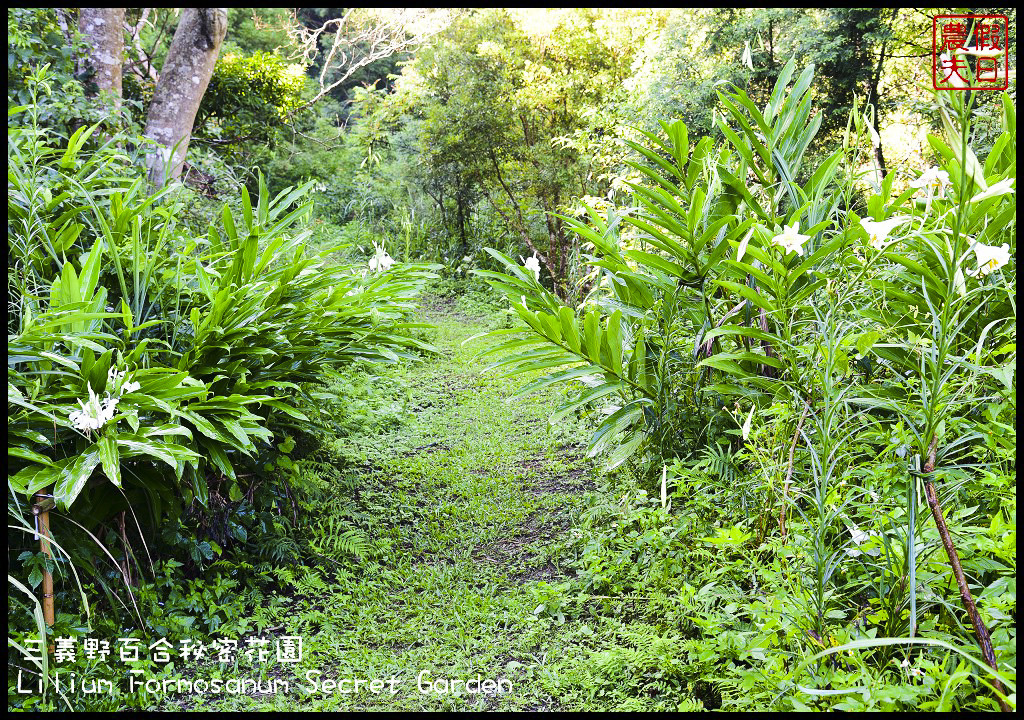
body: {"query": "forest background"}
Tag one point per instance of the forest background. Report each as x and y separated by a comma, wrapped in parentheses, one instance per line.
(441, 146)
(500, 118)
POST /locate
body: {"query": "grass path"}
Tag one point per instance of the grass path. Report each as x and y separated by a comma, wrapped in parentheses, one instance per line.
(469, 502)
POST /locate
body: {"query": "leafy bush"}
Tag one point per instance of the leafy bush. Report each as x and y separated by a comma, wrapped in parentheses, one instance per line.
(169, 342)
(147, 365)
(823, 380)
(250, 97)
(155, 377)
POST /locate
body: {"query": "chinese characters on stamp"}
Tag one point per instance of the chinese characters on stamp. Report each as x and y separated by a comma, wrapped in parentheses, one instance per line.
(970, 52)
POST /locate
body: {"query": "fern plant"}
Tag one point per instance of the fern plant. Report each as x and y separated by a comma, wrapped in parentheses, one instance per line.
(332, 536)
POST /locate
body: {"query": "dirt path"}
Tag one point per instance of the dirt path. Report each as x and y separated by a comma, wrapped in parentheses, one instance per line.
(469, 503)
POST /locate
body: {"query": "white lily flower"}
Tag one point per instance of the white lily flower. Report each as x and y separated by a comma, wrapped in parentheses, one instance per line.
(1003, 187)
(875, 140)
(933, 178)
(878, 230)
(960, 282)
(533, 265)
(991, 257)
(791, 239)
(746, 425)
(955, 79)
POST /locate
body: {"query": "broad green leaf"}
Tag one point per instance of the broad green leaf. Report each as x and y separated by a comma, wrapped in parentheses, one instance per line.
(110, 459)
(750, 294)
(613, 336)
(570, 328)
(866, 341)
(74, 476)
(591, 325)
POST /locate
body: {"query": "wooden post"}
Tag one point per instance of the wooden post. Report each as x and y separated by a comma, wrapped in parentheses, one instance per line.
(41, 509)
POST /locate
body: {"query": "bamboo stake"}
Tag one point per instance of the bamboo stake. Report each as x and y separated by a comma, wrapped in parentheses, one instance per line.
(41, 509)
(984, 640)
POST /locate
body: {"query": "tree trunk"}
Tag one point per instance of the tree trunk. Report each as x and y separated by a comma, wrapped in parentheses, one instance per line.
(103, 29)
(876, 78)
(460, 218)
(183, 81)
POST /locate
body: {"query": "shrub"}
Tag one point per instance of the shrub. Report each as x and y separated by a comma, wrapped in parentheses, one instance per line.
(846, 349)
(135, 346)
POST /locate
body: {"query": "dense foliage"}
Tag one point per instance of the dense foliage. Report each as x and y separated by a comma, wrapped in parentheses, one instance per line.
(250, 97)
(156, 372)
(645, 359)
(870, 340)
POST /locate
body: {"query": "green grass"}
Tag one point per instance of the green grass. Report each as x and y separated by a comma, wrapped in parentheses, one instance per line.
(444, 529)
(467, 505)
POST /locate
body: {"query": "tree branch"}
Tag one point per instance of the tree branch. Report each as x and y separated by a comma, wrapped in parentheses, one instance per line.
(143, 60)
(980, 631)
(382, 34)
